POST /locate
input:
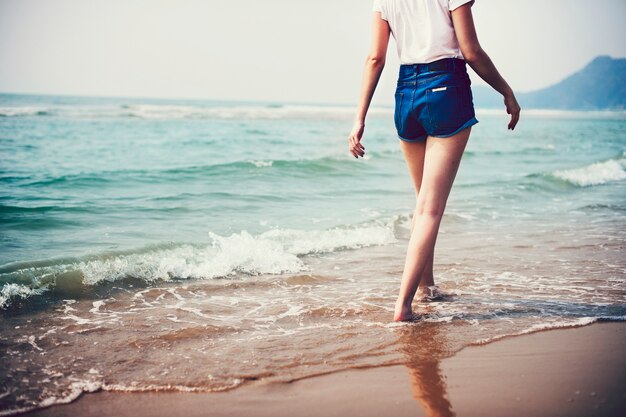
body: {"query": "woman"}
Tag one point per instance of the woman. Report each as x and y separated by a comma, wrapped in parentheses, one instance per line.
(433, 113)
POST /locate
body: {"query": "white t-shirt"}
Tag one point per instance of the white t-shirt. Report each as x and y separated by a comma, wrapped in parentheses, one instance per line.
(422, 28)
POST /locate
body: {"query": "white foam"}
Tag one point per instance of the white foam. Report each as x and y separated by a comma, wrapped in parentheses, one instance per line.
(199, 111)
(150, 111)
(96, 306)
(257, 111)
(595, 174)
(77, 388)
(169, 388)
(318, 241)
(273, 252)
(21, 111)
(15, 411)
(554, 113)
(10, 292)
(262, 164)
(583, 321)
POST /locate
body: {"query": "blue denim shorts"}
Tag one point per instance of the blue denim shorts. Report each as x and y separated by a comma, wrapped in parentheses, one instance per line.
(433, 100)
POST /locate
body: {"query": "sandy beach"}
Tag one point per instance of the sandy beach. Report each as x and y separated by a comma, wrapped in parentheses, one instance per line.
(566, 372)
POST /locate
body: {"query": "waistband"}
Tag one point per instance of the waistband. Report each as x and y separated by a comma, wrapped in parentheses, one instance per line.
(445, 64)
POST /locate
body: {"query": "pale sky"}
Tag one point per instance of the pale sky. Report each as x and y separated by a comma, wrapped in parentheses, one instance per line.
(271, 50)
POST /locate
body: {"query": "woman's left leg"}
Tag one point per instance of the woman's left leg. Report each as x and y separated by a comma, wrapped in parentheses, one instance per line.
(442, 158)
(414, 153)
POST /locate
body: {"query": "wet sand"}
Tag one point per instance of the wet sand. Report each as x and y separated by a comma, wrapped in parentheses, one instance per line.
(568, 372)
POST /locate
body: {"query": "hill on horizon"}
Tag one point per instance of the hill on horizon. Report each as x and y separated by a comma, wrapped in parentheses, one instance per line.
(601, 85)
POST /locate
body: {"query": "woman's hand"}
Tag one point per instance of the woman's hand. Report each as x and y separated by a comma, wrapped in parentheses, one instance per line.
(512, 108)
(354, 140)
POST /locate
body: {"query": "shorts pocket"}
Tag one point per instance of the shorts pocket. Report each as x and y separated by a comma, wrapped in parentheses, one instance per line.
(449, 107)
(397, 115)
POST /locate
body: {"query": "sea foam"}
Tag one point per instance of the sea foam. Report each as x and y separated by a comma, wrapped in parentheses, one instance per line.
(595, 174)
(149, 111)
(11, 292)
(273, 252)
(23, 111)
(180, 111)
(276, 251)
(538, 327)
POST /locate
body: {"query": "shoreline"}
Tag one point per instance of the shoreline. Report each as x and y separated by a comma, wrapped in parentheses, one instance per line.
(570, 372)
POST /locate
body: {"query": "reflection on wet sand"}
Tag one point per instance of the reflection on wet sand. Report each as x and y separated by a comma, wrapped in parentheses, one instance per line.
(424, 345)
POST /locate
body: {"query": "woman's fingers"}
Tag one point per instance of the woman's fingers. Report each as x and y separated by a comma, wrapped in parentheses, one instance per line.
(514, 117)
(357, 152)
(356, 148)
(514, 120)
(512, 108)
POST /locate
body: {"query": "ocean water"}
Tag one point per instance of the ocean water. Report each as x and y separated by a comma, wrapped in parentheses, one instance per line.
(196, 246)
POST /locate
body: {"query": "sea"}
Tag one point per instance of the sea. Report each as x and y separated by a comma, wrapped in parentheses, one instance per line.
(196, 246)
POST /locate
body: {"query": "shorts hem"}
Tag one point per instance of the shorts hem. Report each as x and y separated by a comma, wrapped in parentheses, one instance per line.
(470, 122)
(418, 139)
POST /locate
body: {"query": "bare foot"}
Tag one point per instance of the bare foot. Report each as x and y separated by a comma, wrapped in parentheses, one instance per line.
(429, 293)
(404, 313)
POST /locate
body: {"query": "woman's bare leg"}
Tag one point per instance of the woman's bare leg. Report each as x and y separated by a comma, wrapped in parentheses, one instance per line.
(414, 156)
(428, 277)
(442, 157)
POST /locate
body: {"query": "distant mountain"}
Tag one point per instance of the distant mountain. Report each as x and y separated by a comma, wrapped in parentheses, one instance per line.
(600, 85)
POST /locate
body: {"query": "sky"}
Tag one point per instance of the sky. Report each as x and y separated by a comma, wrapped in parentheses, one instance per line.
(271, 50)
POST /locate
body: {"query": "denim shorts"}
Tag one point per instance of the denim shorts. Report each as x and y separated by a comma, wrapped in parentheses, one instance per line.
(433, 100)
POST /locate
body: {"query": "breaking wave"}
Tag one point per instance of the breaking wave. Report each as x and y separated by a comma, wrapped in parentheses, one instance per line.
(276, 251)
(595, 174)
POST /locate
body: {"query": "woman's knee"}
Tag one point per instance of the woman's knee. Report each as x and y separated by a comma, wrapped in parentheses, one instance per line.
(430, 207)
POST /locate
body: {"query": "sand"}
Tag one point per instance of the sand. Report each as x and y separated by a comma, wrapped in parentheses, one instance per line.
(566, 372)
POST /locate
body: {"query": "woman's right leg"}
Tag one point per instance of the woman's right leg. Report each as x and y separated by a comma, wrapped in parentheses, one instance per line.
(414, 153)
(442, 157)
(428, 278)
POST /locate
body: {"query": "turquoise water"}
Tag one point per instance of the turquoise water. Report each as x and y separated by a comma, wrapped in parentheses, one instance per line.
(225, 224)
(98, 175)
(85, 176)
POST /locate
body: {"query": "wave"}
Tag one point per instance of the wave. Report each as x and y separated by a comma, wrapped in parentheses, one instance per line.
(24, 111)
(303, 167)
(539, 327)
(602, 207)
(547, 149)
(147, 111)
(594, 174)
(558, 114)
(13, 292)
(324, 163)
(165, 111)
(74, 391)
(276, 251)
(45, 209)
(247, 111)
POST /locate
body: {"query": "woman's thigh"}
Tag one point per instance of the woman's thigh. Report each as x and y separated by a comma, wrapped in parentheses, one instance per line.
(414, 153)
(442, 157)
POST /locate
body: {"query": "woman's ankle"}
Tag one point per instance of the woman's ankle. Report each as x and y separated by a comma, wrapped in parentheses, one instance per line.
(404, 304)
(425, 283)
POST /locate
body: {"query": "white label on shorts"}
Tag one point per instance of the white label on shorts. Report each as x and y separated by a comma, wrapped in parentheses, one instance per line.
(440, 89)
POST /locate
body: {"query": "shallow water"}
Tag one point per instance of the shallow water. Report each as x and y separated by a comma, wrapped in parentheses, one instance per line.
(195, 246)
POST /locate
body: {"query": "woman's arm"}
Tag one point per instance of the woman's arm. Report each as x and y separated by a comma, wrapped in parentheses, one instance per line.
(480, 62)
(374, 65)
